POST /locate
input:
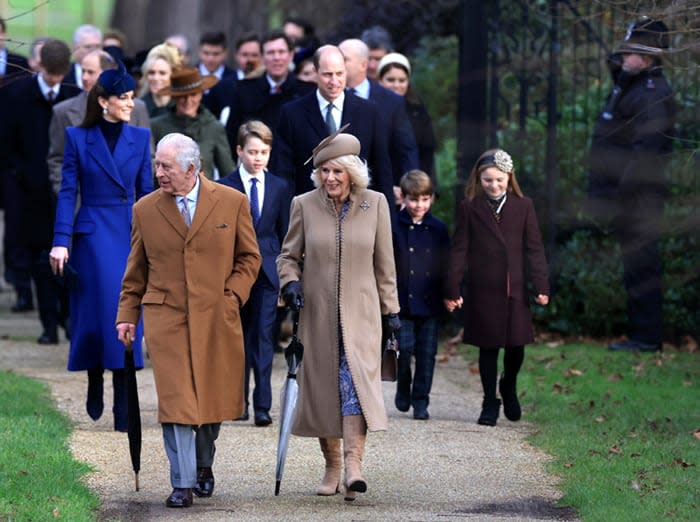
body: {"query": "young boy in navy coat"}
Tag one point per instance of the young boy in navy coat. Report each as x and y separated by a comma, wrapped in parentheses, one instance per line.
(269, 206)
(421, 249)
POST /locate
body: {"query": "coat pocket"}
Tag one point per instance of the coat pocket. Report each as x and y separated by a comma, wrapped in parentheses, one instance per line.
(84, 226)
(153, 297)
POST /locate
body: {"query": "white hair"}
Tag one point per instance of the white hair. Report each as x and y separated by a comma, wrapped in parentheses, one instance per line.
(186, 150)
(85, 30)
(355, 166)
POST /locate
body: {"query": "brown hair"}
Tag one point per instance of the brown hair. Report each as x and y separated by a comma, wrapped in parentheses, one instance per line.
(93, 112)
(474, 182)
(416, 183)
(55, 57)
(254, 129)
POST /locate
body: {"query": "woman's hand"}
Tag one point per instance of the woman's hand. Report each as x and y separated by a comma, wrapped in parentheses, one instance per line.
(453, 304)
(542, 299)
(57, 258)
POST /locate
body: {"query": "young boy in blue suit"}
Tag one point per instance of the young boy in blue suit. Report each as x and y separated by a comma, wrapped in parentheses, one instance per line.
(421, 248)
(269, 206)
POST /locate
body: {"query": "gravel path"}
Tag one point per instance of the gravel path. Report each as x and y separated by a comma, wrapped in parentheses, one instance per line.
(448, 468)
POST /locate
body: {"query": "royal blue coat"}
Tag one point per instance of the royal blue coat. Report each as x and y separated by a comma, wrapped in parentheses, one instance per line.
(99, 236)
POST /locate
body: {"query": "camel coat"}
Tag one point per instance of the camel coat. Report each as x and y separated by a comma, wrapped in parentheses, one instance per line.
(185, 279)
(348, 285)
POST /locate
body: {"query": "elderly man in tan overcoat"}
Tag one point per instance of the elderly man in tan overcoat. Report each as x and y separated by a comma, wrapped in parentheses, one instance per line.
(193, 261)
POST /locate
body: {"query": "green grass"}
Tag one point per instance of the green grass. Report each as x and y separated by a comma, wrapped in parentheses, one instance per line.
(55, 18)
(624, 429)
(39, 477)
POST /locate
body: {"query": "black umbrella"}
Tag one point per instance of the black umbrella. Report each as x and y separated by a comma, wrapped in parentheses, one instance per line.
(293, 354)
(134, 411)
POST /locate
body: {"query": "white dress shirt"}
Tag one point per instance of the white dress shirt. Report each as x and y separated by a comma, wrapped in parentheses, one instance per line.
(337, 111)
(191, 199)
(245, 179)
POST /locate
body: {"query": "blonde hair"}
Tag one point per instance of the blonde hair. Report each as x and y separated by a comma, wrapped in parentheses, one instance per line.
(165, 51)
(355, 166)
(474, 182)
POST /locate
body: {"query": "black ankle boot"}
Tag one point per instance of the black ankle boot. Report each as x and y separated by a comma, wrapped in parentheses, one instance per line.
(95, 392)
(511, 406)
(489, 412)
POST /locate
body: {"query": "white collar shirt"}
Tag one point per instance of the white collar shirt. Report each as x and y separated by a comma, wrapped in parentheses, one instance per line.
(245, 179)
(337, 111)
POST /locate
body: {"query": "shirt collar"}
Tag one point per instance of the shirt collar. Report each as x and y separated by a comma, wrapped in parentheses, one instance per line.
(362, 89)
(323, 103)
(45, 87)
(245, 176)
(219, 73)
(193, 194)
(273, 83)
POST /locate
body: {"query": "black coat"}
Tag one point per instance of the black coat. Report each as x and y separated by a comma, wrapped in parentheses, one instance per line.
(629, 152)
(27, 134)
(301, 128)
(252, 100)
(422, 126)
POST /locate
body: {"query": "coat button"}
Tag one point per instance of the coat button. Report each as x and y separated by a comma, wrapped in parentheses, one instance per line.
(411, 272)
(410, 249)
(411, 227)
(123, 199)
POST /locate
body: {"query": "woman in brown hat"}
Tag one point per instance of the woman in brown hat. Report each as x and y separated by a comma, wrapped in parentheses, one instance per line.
(340, 235)
(190, 118)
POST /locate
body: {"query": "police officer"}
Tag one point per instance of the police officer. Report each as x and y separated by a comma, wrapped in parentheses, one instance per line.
(631, 145)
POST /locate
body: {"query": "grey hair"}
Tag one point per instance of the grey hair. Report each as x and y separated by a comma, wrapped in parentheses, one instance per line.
(187, 151)
(377, 37)
(355, 166)
(356, 46)
(84, 30)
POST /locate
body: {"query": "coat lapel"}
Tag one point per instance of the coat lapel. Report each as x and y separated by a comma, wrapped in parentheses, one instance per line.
(97, 148)
(483, 211)
(123, 151)
(314, 117)
(167, 206)
(205, 204)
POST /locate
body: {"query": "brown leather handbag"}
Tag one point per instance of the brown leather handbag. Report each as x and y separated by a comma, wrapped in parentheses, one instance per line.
(390, 363)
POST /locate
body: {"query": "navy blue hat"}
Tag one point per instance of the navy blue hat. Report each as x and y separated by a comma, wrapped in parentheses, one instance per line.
(645, 36)
(116, 82)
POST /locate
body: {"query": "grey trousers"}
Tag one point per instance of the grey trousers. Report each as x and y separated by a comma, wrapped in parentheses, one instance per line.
(189, 447)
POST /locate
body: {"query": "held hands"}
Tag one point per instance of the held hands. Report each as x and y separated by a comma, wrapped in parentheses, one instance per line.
(390, 325)
(126, 333)
(542, 299)
(57, 258)
(453, 304)
(293, 295)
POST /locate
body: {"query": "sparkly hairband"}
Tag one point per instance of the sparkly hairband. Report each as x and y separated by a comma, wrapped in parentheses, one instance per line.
(501, 159)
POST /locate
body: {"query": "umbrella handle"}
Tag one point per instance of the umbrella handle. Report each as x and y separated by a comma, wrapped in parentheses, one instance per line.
(129, 347)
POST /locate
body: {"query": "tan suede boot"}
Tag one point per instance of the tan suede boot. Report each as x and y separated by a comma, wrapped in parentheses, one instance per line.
(330, 485)
(354, 434)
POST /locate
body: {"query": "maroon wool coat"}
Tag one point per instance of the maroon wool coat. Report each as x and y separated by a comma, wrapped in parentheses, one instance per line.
(499, 259)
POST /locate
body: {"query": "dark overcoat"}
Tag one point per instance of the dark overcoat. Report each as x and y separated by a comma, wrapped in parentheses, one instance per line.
(499, 259)
(99, 236)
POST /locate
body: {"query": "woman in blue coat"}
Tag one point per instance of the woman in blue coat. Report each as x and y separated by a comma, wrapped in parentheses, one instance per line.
(107, 163)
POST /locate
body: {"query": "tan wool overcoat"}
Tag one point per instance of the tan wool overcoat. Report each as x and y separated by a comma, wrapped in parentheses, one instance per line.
(186, 280)
(349, 282)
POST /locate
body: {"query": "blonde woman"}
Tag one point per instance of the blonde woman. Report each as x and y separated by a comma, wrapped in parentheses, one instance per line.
(156, 70)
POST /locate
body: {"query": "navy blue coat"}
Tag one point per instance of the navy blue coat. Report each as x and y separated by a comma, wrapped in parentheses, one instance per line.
(100, 234)
(421, 253)
(402, 142)
(252, 100)
(301, 128)
(273, 223)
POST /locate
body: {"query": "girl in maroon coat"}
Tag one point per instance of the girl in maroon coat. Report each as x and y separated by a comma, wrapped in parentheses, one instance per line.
(498, 243)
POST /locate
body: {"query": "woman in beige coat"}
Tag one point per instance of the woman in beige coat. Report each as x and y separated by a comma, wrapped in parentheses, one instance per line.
(338, 258)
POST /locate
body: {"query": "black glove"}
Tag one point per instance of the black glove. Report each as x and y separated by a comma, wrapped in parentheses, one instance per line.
(293, 295)
(390, 325)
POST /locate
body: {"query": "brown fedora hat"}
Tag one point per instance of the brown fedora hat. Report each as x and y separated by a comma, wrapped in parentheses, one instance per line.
(187, 80)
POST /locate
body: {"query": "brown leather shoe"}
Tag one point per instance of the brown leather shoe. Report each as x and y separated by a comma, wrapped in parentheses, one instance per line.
(205, 482)
(180, 498)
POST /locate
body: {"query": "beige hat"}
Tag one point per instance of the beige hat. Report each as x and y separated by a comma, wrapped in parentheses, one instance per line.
(187, 80)
(334, 146)
(394, 58)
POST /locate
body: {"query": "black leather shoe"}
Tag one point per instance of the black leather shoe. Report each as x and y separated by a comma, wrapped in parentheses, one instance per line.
(21, 306)
(243, 417)
(633, 346)
(489, 412)
(180, 498)
(205, 482)
(262, 418)
(401, 402)
(511, 405)
(47, 338)
(421, 413)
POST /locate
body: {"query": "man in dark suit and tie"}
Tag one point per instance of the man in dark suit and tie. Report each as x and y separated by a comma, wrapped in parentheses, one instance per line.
(30, 202)
(269, 206)
(262, 98)
(306, 121)
(213, 52)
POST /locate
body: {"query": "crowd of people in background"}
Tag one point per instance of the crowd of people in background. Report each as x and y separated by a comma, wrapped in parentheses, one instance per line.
(326, 153)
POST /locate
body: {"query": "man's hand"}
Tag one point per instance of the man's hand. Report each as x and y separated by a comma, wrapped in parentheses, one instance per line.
(126, 333)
